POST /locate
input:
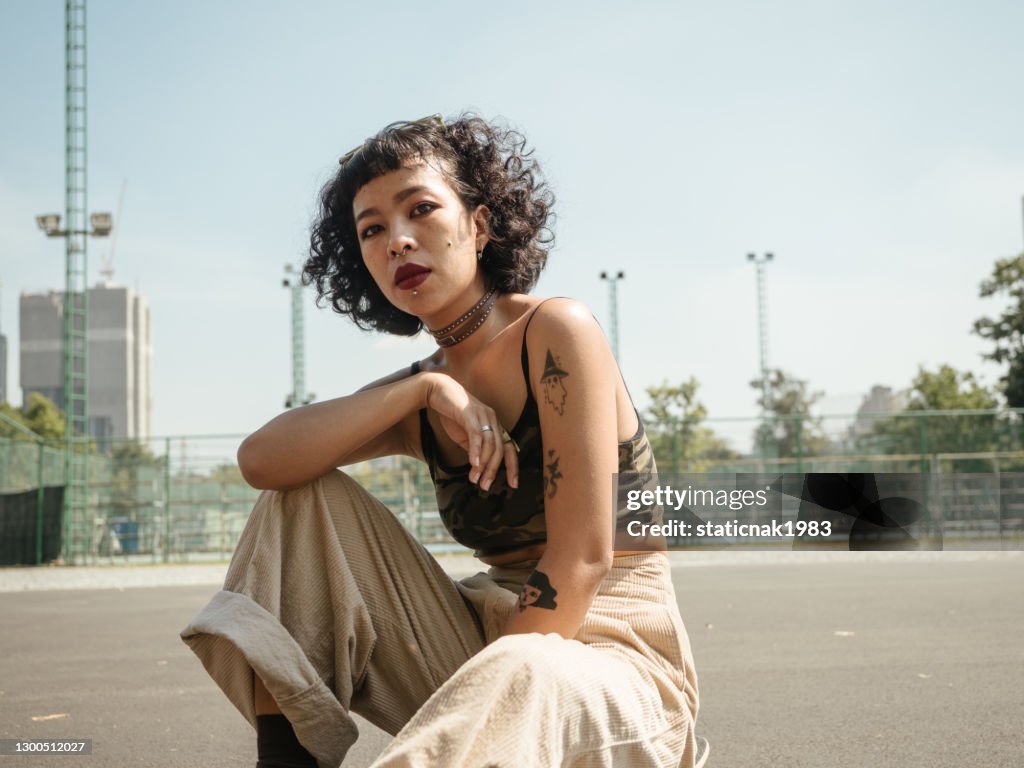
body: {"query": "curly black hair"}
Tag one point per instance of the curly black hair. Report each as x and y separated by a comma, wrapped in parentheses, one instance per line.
(484, 163)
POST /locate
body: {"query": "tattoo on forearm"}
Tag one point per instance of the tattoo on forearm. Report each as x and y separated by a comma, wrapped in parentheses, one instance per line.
(538, 592)
(554, 386)
(551, 475)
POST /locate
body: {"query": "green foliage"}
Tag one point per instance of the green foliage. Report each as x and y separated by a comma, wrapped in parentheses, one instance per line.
(673, 424)
(946, 389)
(1007, 331)
(131, 453)
(41, 417)
(133, 465)
(949, 389)
(789, 430)
(228, 474)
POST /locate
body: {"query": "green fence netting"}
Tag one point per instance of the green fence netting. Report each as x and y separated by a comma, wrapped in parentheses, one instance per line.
(183, 498)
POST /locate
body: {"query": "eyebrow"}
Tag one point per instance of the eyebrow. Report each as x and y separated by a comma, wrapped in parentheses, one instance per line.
(399, 197)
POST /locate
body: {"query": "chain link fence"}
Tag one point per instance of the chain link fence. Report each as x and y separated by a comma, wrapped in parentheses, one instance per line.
(183, 499)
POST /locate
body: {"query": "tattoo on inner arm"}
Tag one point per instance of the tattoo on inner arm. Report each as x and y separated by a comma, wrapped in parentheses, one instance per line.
(538, 592)
(551, 475)
(554, 386)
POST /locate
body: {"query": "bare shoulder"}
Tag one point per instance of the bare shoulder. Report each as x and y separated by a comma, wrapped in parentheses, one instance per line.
(565, 320)
(565, 339)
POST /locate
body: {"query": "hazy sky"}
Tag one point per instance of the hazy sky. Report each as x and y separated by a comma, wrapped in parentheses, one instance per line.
(875, 147)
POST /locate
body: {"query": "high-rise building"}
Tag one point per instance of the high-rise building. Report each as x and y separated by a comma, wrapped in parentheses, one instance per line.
(41, 346)
(119, 357)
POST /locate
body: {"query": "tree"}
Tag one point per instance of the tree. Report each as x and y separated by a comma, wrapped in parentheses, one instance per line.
(673, 427)
(789, 431)
(227, 474)
(132, 465)
(949, 389)
(1007, 331)
(946, 389)
(41, 417)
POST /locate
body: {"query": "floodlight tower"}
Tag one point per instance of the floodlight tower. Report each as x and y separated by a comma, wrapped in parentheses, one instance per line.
(762, 321)
(613, 302)
(298, 395)
(75, 233)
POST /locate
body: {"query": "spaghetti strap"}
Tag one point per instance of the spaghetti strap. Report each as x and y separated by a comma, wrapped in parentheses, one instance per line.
(523, 356)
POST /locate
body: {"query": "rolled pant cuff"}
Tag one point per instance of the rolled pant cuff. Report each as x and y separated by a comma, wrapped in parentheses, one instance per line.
(234, 636)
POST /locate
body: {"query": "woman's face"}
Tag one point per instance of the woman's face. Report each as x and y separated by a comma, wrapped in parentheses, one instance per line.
(420, 243)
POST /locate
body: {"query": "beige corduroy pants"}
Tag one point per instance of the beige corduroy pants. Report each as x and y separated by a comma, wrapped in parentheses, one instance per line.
(338, 608)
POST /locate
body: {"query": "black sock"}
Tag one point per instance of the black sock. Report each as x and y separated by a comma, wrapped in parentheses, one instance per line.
(277, 746)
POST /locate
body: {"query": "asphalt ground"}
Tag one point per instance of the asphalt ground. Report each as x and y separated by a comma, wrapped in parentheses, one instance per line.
(900, 661)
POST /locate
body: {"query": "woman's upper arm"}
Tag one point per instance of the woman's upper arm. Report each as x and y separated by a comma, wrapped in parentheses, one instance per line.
(574, 377)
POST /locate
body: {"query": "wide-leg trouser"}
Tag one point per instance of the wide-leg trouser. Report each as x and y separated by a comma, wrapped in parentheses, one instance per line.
(338, 609)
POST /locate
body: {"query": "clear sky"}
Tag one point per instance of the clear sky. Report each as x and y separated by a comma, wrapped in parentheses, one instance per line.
(875, 147)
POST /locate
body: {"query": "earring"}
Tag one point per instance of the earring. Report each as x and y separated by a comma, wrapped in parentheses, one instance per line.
(479, 255)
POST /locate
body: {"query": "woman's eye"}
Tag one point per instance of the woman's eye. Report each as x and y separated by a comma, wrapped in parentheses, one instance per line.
(370, 231)
(423, 208)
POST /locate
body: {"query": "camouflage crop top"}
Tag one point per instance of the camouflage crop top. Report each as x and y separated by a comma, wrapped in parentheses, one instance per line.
(505, 518)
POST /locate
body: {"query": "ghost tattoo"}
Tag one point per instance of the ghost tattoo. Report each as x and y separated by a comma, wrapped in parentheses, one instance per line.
(552, 379)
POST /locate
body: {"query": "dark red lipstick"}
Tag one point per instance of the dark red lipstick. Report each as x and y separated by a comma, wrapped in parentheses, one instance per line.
(409, 276)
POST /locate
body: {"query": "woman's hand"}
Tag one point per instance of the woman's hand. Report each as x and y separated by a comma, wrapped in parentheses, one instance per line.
(464, 418)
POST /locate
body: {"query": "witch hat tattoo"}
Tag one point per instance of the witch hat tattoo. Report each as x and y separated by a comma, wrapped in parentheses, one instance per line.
(554, 388)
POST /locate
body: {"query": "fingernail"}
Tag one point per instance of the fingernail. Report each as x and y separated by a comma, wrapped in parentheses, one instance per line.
(486, 485)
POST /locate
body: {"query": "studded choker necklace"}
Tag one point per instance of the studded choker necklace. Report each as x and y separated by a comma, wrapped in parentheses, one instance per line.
(464, 327)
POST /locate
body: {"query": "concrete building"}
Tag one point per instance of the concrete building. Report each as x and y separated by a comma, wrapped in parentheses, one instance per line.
(41, 346)
(875, 406)
(120, 357)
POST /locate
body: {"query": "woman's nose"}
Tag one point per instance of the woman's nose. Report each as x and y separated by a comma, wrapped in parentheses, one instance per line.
(400, 242)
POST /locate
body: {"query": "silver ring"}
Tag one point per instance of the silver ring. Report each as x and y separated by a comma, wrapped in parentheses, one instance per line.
(486, 428)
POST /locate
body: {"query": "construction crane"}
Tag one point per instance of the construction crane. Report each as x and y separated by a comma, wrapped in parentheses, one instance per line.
(107, 270)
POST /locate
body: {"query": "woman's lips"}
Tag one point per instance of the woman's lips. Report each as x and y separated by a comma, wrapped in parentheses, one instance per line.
(410, 276)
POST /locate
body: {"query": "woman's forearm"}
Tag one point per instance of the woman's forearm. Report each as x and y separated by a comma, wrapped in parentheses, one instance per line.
(559, 600)
(304, 443)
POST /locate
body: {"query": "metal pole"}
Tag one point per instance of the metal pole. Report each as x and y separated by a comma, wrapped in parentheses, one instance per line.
(167, 500)
(762, 333)
(76, 440)
(613, 308)
(40, 501)
(298, 394)
(762, 320)
(799, 443)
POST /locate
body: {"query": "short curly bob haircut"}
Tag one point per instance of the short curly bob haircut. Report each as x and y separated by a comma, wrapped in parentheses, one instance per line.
(484, 164)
